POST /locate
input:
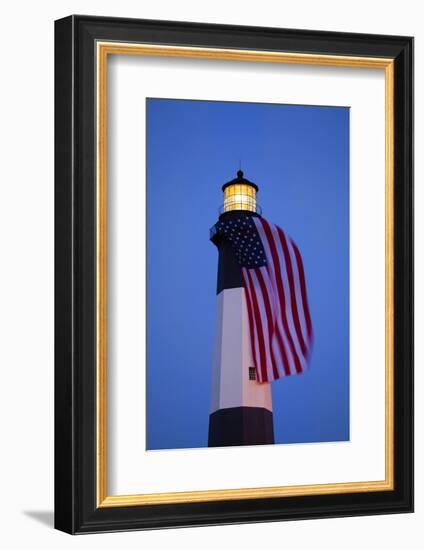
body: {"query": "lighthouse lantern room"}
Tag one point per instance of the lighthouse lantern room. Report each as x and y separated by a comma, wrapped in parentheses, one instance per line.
(240, 194)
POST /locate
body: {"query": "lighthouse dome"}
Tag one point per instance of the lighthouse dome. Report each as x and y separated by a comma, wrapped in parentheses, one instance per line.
(240, 180)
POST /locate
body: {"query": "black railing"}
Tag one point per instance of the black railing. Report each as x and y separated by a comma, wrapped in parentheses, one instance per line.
(257, 209)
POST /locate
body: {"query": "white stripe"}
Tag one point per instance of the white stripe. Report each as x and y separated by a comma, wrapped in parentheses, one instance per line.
(289, 311)
(254, 336)
(298, 291)
(279, 317)
(287, 347)
(257, 354)
(264, 322)
(275, 315)
(270, 290)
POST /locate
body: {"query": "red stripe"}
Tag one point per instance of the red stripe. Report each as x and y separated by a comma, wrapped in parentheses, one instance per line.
(259, 331)
(292, 291)
(270, 320)
(303, 289)
(280, 289)
(280, 342)
(286, 365)
(250, 315)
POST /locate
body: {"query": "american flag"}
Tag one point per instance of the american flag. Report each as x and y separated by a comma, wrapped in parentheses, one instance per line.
(275, 288)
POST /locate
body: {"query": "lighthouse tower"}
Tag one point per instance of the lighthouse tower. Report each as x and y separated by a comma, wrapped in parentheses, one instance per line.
(241, 407)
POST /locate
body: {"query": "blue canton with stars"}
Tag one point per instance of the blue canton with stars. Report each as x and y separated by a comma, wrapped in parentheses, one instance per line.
(245, 240)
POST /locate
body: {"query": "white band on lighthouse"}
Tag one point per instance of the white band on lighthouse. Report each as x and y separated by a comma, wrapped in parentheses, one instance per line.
(233, 380)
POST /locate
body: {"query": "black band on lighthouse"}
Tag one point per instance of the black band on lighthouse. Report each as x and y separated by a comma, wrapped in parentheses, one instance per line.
(241, 426)
(229, 272)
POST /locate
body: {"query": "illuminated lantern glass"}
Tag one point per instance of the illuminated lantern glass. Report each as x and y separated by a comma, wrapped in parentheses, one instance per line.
(240, 194)
(239, 197)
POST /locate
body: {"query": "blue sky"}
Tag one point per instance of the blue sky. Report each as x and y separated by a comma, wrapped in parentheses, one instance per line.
(299, 157)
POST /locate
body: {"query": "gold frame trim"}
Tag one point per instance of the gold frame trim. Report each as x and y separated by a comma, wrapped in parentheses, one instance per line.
(104, 49)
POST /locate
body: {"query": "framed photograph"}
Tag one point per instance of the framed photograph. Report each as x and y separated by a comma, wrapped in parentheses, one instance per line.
(234, 274)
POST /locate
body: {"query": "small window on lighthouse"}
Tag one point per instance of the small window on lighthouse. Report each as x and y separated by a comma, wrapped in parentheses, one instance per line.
(252, 373)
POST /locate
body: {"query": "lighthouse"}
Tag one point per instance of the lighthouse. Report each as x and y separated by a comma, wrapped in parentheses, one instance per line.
(241, 406)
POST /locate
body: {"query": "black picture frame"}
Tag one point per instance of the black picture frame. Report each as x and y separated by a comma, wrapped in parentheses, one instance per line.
(76, 510)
